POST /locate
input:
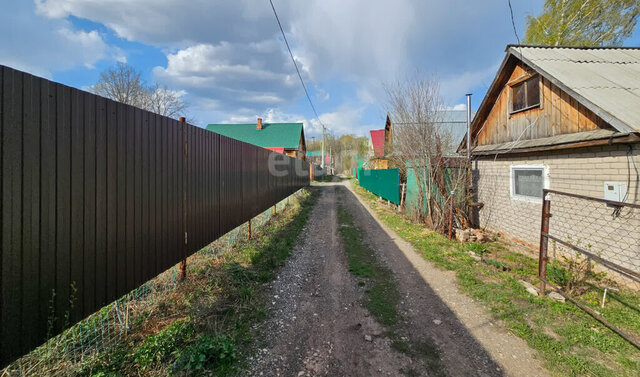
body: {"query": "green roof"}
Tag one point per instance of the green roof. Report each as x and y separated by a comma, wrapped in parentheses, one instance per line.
(314, 153)
(283, 135)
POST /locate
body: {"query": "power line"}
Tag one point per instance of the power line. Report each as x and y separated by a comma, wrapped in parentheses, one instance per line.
(295, 64)
(513, 22)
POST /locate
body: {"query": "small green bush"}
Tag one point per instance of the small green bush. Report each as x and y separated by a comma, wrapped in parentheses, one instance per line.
(159, 347)
(558, 275)
(477, 248)
(206, 353)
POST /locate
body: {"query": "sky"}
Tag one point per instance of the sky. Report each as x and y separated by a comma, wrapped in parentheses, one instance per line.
(228, 61)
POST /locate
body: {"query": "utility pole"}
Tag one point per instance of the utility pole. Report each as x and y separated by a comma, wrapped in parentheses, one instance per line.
(469, 127)
(322, 154)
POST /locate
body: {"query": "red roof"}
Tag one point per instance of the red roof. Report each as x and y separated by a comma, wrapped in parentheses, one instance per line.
(377, 139)
(276, 149)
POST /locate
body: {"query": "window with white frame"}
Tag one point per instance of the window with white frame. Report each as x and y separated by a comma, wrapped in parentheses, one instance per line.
(527, 182)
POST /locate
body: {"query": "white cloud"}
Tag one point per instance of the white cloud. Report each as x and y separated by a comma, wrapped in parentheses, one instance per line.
(232, 76)
(47, 45)
(229, 56)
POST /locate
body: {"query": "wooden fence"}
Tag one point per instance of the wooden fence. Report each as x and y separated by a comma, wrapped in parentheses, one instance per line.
(99, 197)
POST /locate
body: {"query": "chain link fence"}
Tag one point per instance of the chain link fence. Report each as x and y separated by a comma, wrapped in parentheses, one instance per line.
(108, 327)
(590, 254)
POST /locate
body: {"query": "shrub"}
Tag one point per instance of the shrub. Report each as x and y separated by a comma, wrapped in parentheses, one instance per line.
(207, 353)
(160, 346)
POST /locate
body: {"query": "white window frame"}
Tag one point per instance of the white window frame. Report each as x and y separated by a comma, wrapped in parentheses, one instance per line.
(545, 181)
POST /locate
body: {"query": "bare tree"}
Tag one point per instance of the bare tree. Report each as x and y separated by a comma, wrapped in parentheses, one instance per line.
(164, 101)
(419, 142)
(123, 83)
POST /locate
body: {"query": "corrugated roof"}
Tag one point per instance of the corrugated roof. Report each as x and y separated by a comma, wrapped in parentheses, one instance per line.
(377, 140)
(547, 141)
(605, 80)
(284, 135)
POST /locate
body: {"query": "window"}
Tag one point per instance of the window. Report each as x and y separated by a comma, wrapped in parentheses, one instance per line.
(527, 182)
(525, 94)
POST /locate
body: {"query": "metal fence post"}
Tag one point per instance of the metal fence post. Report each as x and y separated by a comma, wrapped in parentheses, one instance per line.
(183, 263)
(544, 242)
(451, 216)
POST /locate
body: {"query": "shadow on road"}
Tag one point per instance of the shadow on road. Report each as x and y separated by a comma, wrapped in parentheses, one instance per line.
(425, 316)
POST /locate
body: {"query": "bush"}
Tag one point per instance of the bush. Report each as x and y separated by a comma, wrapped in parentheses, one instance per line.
(160, 346)
(207, 353)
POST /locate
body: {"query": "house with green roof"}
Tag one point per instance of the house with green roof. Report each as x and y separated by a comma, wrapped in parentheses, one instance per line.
(285, 138)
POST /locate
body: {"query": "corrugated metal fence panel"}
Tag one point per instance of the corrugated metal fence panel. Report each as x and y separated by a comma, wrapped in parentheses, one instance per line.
(382, 182)
(93, 200)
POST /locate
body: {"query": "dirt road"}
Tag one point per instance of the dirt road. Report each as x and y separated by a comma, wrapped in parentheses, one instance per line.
(318, 325)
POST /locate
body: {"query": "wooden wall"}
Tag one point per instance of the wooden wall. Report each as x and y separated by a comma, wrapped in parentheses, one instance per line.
(558, 114)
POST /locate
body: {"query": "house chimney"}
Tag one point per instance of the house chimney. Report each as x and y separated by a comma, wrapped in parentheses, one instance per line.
(259, 125)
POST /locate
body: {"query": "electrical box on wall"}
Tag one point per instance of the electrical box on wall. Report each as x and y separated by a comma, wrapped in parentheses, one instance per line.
(615, 191)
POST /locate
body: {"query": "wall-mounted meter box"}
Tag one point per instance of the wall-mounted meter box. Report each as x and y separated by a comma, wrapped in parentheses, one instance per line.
(615, 191)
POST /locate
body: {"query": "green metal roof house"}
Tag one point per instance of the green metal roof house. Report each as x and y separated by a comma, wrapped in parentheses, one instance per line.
(286, 138)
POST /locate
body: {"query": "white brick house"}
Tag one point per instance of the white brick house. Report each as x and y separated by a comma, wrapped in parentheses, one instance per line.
(565, 119)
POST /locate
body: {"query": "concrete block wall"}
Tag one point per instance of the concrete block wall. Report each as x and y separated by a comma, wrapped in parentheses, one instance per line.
(581, 171)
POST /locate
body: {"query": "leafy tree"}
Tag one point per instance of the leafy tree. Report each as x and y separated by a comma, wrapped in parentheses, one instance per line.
(583, 23)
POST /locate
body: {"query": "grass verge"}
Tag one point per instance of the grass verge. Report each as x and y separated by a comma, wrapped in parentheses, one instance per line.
(570, 341)
(204, 326)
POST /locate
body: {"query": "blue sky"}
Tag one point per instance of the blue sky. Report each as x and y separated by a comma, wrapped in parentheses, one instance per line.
(228, 61)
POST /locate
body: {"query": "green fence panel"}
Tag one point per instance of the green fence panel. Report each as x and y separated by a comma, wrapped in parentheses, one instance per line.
(412, 192)
(382, 182)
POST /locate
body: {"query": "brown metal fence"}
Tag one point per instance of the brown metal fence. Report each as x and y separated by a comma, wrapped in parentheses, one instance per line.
(99, 197)
(590, 254)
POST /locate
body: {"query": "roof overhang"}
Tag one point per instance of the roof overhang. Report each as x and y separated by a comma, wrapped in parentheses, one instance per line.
(510, 60)
(559, 142)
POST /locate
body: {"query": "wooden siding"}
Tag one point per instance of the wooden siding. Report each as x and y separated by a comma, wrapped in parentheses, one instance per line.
(558, 114)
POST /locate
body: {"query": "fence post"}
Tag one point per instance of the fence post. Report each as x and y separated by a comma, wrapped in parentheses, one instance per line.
(274, 209)
(401, 197)
(451, 216)
(249, 229)
(544, 242)
(183, 263)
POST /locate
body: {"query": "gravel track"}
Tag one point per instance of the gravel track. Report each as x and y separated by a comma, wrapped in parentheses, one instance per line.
(317, 325)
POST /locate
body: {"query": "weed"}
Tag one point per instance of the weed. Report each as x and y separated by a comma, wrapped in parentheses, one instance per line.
(159, 347)
(206, 353)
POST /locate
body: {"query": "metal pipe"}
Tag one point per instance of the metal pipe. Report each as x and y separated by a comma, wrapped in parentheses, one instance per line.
(469, 126)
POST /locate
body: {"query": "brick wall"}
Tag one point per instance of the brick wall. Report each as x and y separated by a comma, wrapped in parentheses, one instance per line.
(583, 171)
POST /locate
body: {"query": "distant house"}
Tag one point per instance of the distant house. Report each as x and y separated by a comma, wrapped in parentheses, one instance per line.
(380, 143)
(315, 157)
(561, 118)
(285, 138)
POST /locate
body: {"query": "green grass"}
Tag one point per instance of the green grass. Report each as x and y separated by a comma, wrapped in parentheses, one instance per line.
(570, 341)
(205, 325)
(382, 295)
(381, 291)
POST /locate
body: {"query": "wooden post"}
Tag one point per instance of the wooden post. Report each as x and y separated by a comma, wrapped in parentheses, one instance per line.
(401, 197)
(183, 263)
(544, 242)
(274, 209)
(249, 229)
